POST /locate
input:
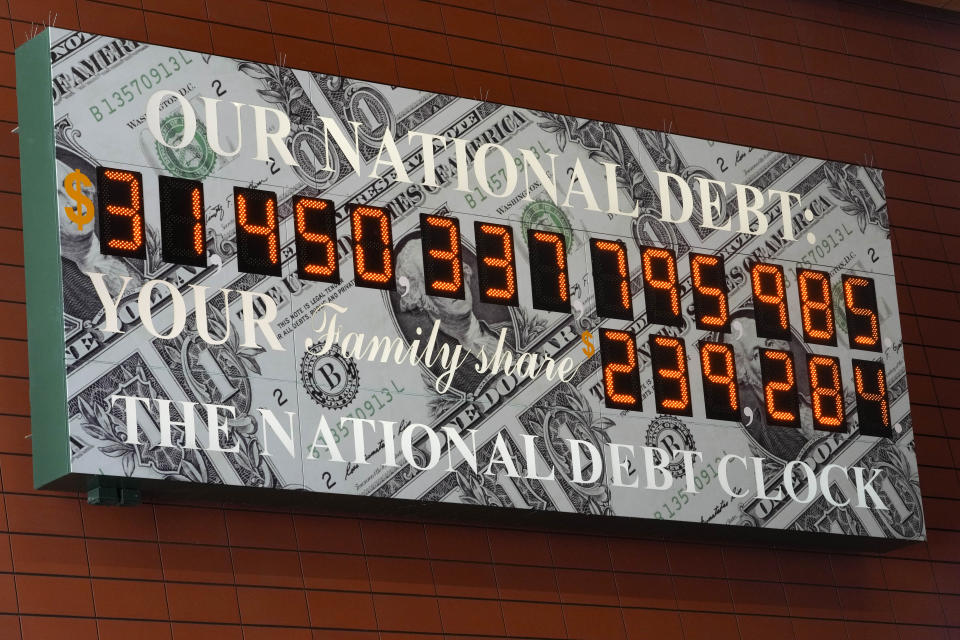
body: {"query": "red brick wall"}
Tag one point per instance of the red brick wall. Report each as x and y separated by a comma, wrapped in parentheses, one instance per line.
(867, 82)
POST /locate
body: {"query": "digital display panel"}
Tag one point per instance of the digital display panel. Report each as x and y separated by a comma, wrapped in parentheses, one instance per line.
(365, 314)
(709, 286)
(781, 398)
(826, 393)
(315, 230)
(671, 382)
(548, 271)
(873, 411)
(122, 230)
(863, 323)
(496, 265)
(372, 236)
(660, 286)
(621, 375)
(721, 395)
(258, 231)
(611, 279)
(182, 225)
(816, 307)
(770, 301)
(442, 264)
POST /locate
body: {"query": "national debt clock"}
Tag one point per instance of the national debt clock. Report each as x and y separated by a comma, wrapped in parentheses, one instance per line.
(240, 274)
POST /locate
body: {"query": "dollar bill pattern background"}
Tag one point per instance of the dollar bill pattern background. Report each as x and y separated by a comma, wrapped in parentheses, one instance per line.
(849, 220)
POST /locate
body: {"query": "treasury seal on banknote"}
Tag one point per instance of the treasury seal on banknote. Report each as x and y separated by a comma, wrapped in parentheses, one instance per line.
(544, 214)
(194, 161)
(331, 378)
(670, 434)
(363, 103)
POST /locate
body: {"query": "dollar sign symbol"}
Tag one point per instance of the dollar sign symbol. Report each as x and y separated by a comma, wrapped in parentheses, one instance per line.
(73, 184)
(588, 350)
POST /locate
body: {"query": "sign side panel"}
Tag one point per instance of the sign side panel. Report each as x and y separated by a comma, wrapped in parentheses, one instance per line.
(51, 442)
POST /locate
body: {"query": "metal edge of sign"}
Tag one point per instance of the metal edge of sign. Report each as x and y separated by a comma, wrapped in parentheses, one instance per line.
(41, 247)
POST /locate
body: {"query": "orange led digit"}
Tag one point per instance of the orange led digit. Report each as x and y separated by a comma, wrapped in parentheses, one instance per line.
(258, 234)
(621, 375)
(442, 269)
(496, 267)
(816, 307)
(182, 229)
(826, 393)
(781, 403)
(196, 208)
(860, 299)
(611, 279)
(708, 277)
(548, 270)
(721, 399)
(372, 247)
(120, 195)
(671, 386)
(770, 301)
(873, 414)
(315, 233)
(660, 288)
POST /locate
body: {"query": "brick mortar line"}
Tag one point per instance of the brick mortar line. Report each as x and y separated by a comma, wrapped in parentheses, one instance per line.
(441, 3)
(558, 602)
(438, 596)
(560, 56)
(747, 34)
(246, 625)
(878, 555)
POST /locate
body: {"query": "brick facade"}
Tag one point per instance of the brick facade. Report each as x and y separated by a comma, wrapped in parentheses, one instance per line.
(870, 82)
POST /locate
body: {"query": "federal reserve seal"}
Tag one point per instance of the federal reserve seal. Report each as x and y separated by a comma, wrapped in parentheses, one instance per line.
(670, 434)
(331, 379)
(545, 215)
(194, 161)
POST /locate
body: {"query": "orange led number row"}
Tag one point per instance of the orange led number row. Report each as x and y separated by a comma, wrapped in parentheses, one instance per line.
(671, 384)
